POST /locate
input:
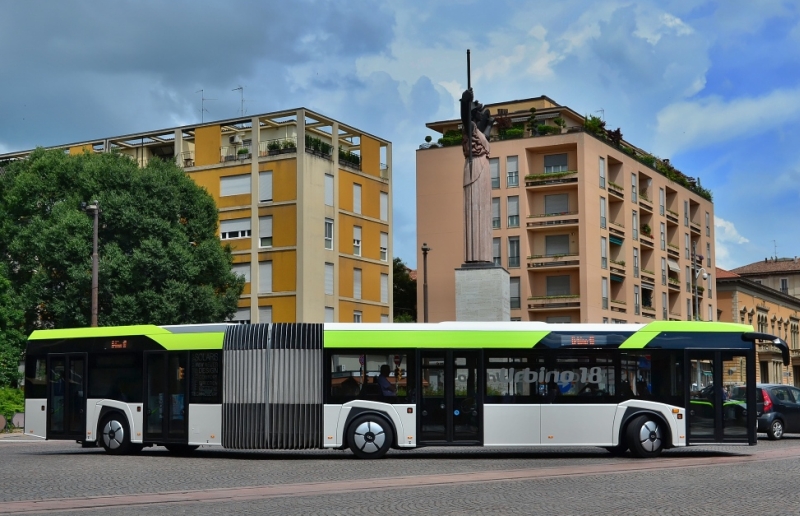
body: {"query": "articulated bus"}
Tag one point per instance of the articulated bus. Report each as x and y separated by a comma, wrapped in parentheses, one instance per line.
(372, 387)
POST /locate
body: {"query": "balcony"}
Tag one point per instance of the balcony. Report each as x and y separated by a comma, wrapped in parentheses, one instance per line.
(277, 146)
(616, 228)
(185, 160)
(552, 219)
(672, 216)
(673, 251)
(554, 178)
(674, 316)
(234, 153)
(648, 311)
(618, 305)
(645, 203)
(695, 227)
(648, 276)
(554, 302)
(646, 239)
(560, 261)
(674, 284)
(617, 267)
(794, 353)
(616, 190)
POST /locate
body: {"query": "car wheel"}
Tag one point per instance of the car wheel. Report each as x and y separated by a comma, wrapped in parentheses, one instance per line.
(775, 430)
(370, 437)
(180, 449)
(644, 437)
(115, 435)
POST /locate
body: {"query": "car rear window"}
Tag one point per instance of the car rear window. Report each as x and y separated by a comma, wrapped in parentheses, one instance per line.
(740, 393)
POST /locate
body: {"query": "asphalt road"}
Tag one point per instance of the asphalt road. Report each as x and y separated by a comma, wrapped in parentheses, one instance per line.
(56, 477)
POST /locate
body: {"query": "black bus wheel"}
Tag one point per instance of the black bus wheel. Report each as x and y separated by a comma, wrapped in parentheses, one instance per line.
(645, 437)
(180, 449)
(370, 437)
(115, 436)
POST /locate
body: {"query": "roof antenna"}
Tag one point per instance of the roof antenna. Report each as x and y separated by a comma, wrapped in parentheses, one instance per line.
(203, 109)
(240, 89)
(775, 243)
(602, 113)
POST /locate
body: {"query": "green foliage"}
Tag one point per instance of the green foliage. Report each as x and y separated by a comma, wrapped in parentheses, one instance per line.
(513, 132)
(160, 258)
(12, 400)
(559, 122)
(595, 125)
(12, 336)
(243, 150)
(531, 122)
(288, 144)
(349, 157)
(404, 293)
(273, 145)
(548, 129)
(451, 137)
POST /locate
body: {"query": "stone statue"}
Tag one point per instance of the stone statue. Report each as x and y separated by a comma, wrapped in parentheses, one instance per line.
(476, 122)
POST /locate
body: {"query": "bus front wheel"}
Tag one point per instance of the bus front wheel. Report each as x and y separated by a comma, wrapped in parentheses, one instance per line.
(115, 437)
(370, 437)
(645, 437)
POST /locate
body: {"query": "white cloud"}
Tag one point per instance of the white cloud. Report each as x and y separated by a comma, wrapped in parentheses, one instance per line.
(727, 238)
(652, 28)
(695, 124)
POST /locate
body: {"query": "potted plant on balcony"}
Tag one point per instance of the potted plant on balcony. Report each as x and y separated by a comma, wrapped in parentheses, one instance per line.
(273, 147)
(646, 230)
(288, 146)
(243, 153)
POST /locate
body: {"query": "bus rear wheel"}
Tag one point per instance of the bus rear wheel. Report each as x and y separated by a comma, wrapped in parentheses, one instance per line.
(370, 437)
(645, 437)
(115, 437)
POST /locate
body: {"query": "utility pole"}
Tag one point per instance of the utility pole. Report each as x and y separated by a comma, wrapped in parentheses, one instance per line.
(94, 211)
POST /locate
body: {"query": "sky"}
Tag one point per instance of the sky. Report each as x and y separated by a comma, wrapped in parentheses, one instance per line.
(712, 85)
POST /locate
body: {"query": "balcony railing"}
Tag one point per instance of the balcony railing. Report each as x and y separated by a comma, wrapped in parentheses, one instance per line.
(551, 222)
(234, 153)
(695, 227)
(672, 216)
(565, 301)
(277, 146)
(616, 189)
(513, 261)
(556, 178)
(559, 260)
(186, 159)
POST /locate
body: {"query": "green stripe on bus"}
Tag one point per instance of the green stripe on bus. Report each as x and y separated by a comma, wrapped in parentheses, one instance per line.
(102, 331)
(188, 341)
(468, 339)
(643, 337)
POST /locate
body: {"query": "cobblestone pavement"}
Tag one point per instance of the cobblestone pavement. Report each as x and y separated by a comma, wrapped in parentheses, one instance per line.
(700, 480)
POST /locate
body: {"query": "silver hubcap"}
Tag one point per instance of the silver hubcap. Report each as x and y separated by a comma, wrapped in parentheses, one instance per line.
(650, 436)
(369, 437)
(777, 428)
(113, 435)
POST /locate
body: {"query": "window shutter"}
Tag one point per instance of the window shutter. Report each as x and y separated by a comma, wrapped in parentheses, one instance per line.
(265, 314)
(494, 168)
(384, 288)
(558, 285)
(384, 206)
(234, 185)
(328, 190)
(264, 277)
(265, 187)
(556, 203)
(512, 164)
(265, 227)
(513, 206)
(385, 240)
(555, 160)
(226, 226)
(329, 314)
(242, 315)
(357, 283)
(514, 287)
(556, 245)
(496, 208)
(242, 269)
(356, 198)
(329, 279)
(496, 247)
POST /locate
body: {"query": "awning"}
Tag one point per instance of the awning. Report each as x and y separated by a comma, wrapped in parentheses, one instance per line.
(617, 278)
(616, 240)
(673, 265)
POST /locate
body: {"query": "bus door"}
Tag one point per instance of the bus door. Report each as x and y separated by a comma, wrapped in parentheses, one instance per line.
(451, 405)
(714, 414)
(66, 396)
(166, 409)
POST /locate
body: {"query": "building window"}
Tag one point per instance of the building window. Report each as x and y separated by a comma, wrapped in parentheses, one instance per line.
(710, 313)
(663, 271)
(605, 320)
(496, 251)
(604, 286)
(512, 172)
(514, 290)
(242, 269)
(329, 314)
(555, 163)
(234, 228)
(356, 198)
(708, 224)
(708, 254)
(328, 190)
(687, 251)
(494, 170)
(328, 233)
(234, 185)
(636, 300)
(688, 280)
(664, 306)
(661, 201)
(558, 286)
(710, 284)
(265, 231)
(384, 247)
(384, 288)
(265, 187)
(357, 240)
(635, 219)
(784, 285)
(495, 213)
(265, 277)
(513, 252)
(356, 283)
(634, 191)
(556, 245)
(264, 314)
(686, 213)
(328, 279)
(663, 237)
(602, 167)
(384, 318)
(635, 262)
(602, 212)
(242, 316)
(603, 253)
(513, 211)
(384, 206)
(356, 316)
(689, 316)
(556, 204)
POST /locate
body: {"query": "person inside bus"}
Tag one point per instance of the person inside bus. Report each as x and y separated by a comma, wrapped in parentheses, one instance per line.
(387, 388)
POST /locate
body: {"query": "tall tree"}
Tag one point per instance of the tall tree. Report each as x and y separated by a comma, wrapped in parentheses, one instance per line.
(12, 338)
(160, 259)
(404, 293)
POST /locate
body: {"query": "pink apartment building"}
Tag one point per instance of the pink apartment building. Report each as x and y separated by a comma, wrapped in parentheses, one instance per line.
(590, 231)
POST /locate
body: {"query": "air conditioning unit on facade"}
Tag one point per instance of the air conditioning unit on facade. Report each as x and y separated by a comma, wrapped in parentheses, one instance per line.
(235, 139)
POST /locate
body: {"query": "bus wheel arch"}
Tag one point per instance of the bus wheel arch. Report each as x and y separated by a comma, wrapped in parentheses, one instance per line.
(114, 433)
(646, 434)
(370, 434)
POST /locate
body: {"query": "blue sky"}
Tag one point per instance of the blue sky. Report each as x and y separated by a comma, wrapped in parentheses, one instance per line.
(712, 85)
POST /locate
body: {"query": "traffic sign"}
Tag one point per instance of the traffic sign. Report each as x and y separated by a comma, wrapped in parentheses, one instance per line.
(361, 360)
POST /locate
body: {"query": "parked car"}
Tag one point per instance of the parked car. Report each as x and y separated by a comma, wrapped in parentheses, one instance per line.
(778, 408)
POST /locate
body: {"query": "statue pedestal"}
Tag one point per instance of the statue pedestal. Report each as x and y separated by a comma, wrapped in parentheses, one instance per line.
(482, 293)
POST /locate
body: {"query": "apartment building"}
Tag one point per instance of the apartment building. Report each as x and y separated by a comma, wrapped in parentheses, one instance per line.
(781, 274)
(304, 202)
(590, 230)
(768, 310)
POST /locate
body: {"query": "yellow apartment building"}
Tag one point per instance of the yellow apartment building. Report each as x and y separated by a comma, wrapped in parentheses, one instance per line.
(304, 202)
(768, 310)
(589, 230)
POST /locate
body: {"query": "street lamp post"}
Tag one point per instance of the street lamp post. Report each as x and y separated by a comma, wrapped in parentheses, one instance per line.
(696, 273)
(425, 250)
(93, 209)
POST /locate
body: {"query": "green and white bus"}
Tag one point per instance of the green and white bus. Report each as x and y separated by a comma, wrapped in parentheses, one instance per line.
(372, 387)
